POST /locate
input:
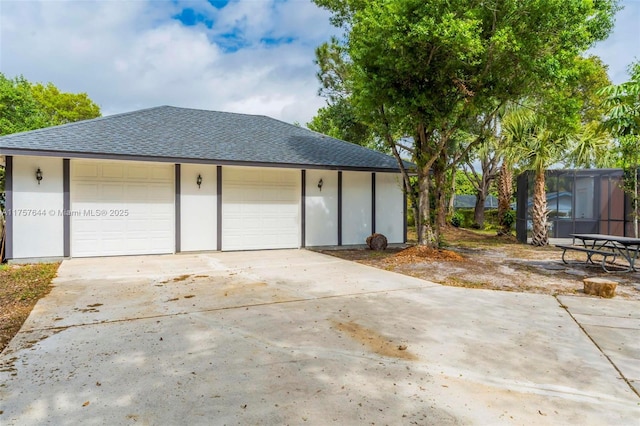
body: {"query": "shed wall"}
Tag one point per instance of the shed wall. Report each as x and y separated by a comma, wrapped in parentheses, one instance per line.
(38, 229)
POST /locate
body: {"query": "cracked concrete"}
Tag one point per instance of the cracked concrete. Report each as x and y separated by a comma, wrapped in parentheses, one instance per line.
(290, 337)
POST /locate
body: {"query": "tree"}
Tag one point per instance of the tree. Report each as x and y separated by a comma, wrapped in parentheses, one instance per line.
(424, 68)
(539, 148)
(487, 155)
(623, 121)
(569, 114)
(60, 107)
(25, 106)
(19, 111)
(339, 120)
(515, 122)
(591, 145)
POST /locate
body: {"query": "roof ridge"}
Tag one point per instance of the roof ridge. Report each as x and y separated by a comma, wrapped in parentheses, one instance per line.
(218, 112)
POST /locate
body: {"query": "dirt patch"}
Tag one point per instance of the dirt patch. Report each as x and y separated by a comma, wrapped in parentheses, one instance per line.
(374, 341)
(479, 260)
(418, 253)
(181, 278)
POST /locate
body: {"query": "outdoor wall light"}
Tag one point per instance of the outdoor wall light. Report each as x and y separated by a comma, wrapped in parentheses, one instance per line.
(38, 175)
(320, 183)
(199, 180)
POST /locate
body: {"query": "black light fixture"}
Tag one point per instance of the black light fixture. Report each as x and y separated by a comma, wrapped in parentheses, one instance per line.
(38, 175)
(199, 180)
(320, 183)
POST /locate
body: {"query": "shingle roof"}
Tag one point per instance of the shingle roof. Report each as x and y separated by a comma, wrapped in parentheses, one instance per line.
(179, 134)
(469, 202)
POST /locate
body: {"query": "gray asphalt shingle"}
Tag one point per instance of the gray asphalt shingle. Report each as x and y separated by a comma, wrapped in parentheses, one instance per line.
(167, 132)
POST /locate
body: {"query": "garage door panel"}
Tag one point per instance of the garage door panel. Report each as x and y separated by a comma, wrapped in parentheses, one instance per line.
(121, 209)
(138, 172)
(261, 208)
(112, 193)
(162, 174)
(86, 170)
(112, 171)
(87, 191)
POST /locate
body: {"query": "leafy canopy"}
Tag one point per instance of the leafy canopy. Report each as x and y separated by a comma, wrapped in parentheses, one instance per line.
(25, 106)
(427, 68)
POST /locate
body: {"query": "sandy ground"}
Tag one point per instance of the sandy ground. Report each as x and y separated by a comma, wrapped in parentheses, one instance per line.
(474, 260)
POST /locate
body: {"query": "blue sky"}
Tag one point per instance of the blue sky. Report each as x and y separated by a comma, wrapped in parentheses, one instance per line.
(249, 56)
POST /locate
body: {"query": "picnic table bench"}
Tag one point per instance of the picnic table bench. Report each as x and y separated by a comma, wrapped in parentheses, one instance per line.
(606, 246)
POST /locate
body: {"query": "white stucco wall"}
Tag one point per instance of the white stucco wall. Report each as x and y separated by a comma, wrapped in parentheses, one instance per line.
(37, 209)
(321, 208)
(356, 207)
(198, 208)
(390, 207)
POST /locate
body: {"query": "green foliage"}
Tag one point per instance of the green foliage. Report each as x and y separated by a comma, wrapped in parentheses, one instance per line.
(19, 110)
(623, 105)
(508, 219)
(456, 219)
(623, 121)
(60, 107)
(463, 184)
(426, 68)
(467, 219)
(339, 120)
(25, 106)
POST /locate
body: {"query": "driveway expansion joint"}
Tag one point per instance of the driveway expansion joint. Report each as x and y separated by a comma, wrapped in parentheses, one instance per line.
(622, 376)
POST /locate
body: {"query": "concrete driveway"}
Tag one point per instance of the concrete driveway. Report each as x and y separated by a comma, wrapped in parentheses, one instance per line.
(296, 337)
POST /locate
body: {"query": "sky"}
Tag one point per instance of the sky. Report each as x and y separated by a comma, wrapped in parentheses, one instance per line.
(246, 56)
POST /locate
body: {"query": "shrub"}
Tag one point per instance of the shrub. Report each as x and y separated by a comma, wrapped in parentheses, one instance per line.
(456, 219)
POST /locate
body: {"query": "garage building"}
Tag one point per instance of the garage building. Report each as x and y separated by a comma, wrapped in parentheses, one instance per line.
(168, 180)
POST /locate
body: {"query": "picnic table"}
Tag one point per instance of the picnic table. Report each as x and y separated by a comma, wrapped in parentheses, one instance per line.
(605, 246)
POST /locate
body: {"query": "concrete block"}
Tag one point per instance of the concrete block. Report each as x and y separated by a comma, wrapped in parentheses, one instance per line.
(600, 287)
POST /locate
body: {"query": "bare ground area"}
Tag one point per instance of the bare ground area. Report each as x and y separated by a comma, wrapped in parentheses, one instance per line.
(476, 260)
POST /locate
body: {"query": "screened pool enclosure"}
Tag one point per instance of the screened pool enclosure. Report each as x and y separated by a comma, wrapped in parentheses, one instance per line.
(579, 201)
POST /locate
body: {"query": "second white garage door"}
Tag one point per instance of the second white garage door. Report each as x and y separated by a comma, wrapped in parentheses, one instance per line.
(121, 208)
(260, 208)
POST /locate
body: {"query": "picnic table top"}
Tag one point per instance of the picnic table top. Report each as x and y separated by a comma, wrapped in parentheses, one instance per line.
(604, 237)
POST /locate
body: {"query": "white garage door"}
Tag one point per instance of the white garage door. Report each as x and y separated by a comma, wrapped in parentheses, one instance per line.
(260, 208)
(121, 208)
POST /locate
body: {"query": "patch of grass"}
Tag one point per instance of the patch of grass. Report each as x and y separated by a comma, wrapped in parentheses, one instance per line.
(21, 286)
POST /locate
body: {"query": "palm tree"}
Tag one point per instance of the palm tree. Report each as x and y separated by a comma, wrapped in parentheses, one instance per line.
(535, 146)
(623, 121)
(592, 146)
(514, 125)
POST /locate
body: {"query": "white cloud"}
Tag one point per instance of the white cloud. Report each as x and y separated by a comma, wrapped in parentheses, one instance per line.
(132, 54)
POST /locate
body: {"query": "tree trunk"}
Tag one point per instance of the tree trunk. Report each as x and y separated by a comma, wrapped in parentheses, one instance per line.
(478, 212)
(453, 191)
(440, 216)
(440, 188)
(635, 201)
(505, 193)
(426, 235)
(540, 235)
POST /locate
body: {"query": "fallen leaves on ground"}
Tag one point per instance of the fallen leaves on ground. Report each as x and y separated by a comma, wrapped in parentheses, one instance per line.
(422, 253)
